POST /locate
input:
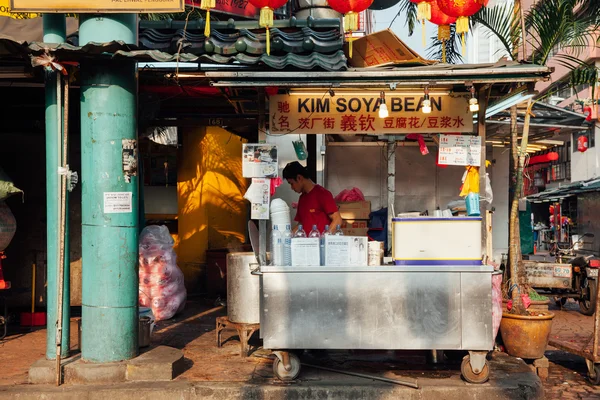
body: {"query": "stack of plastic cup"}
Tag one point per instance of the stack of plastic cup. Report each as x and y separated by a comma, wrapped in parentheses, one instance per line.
(280, 214)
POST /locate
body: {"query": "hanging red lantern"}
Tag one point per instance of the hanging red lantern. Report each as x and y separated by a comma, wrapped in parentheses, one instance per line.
(351, 10)
(423, 13)
(462, 10)
(582, 143)
(443, 22)
(266, 15)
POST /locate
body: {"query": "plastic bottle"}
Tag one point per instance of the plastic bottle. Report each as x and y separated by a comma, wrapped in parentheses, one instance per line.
(287, 246)
(323, 238)
(300, 232)
(276, 247)
(338, 231)
(314, 233)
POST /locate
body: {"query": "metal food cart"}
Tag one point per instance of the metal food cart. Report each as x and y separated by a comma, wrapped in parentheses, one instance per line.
(377, 308)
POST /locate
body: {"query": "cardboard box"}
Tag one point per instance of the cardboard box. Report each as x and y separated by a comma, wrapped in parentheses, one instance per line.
(355, 210)
(306, 252)
(355, 231)
(346, 251)
(355, 223)
(383, 48)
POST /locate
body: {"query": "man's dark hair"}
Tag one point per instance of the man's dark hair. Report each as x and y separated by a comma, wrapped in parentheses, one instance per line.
(293, 169)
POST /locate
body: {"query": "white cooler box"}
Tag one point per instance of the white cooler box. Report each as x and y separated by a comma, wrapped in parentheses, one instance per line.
(437, 241)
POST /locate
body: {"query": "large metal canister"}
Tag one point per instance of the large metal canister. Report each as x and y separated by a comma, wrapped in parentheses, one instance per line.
(315, 9)
(243, 289)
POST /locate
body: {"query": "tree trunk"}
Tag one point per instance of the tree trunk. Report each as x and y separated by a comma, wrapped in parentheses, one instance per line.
(514, 231)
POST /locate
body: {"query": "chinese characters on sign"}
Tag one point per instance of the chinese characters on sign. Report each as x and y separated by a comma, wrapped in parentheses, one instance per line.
(358, 114)
(460, 150)
(97, 6)
(242, 8)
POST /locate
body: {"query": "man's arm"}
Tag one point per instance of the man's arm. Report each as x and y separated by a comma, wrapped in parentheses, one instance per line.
(336, 219)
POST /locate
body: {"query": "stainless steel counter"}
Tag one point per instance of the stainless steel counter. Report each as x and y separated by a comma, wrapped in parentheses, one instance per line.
(387, 307)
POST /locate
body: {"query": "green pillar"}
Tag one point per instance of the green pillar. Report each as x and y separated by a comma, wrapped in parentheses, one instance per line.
(109, 198)
(55, 31)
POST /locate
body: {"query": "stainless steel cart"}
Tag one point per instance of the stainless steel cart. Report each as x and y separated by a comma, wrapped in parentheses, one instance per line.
(384, 308)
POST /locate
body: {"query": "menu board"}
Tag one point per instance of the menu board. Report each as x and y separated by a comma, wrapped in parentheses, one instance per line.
(460, 150)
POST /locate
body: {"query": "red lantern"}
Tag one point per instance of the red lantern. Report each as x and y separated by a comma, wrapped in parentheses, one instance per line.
(582, 143)
(443, 22)
(462, 10)
(423, 13)
(266, 15)
(587, 111)
(350, 9)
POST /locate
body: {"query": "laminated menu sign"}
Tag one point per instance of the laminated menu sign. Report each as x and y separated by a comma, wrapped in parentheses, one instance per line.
(259, 161)
(306, 252)
(460, 150)
(346, 251)
(259, 195)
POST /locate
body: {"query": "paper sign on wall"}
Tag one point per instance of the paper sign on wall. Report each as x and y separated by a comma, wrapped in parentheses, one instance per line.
(460, 150)
(259, 161)
(259, 195)
(117, 202)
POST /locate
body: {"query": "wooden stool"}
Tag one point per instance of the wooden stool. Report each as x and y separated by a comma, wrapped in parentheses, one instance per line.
(244, 331)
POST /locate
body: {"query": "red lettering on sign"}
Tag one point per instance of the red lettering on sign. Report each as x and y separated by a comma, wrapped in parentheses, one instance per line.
(458, 122)
(284, 123)
(283, 107)
(348, 123)
(388, 123)
(433, 122)
(413, 122)
(366, 122)
(329, 123)
(401, 122)
(304, 123)
(446, 122)
(314, 121)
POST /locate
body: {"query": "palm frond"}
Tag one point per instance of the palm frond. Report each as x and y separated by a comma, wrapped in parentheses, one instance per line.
(554, 25)
(501, 22)
(411, 15)
(453, 48)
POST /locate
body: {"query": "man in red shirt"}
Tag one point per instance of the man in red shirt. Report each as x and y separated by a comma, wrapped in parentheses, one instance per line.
(316, 205)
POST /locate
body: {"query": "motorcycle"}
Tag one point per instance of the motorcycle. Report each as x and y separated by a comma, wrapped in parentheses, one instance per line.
(576, 279)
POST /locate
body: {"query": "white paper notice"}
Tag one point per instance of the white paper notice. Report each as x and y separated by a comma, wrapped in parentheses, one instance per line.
(117, 202)
(259, 160)
(306, 252)
(259, 194)
(460, 150)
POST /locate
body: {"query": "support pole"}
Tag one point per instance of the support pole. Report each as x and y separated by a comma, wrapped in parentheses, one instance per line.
(391, 187)
(55, 31)
(110, 219)
(483, 95)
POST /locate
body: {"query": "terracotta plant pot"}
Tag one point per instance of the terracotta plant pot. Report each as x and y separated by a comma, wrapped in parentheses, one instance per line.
(526, 336)
(535, 305)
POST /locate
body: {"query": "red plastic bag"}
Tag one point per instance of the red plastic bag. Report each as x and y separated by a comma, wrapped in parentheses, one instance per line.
(524, 298)
(346, 195)
(418, 137)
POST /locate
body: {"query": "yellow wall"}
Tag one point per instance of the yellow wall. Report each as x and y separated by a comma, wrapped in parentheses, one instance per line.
(210, 189)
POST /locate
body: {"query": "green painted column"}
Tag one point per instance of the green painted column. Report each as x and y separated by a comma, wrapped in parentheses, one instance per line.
(55, 31)
(109, 197)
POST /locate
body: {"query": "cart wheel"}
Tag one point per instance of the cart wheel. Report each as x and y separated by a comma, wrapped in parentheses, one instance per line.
(467, 371)
(284, 375)
(596, 380)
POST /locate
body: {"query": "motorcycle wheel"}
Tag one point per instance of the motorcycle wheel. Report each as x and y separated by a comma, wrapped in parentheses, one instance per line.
(587, 305)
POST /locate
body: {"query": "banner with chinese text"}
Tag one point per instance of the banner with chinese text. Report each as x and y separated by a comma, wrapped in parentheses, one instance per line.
(359, 114)
(460, 150)
(243, 8)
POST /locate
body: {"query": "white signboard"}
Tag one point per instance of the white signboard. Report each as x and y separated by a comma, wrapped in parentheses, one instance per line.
(117, 202)
(259, 161)
(460, 150)
(359, 114)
